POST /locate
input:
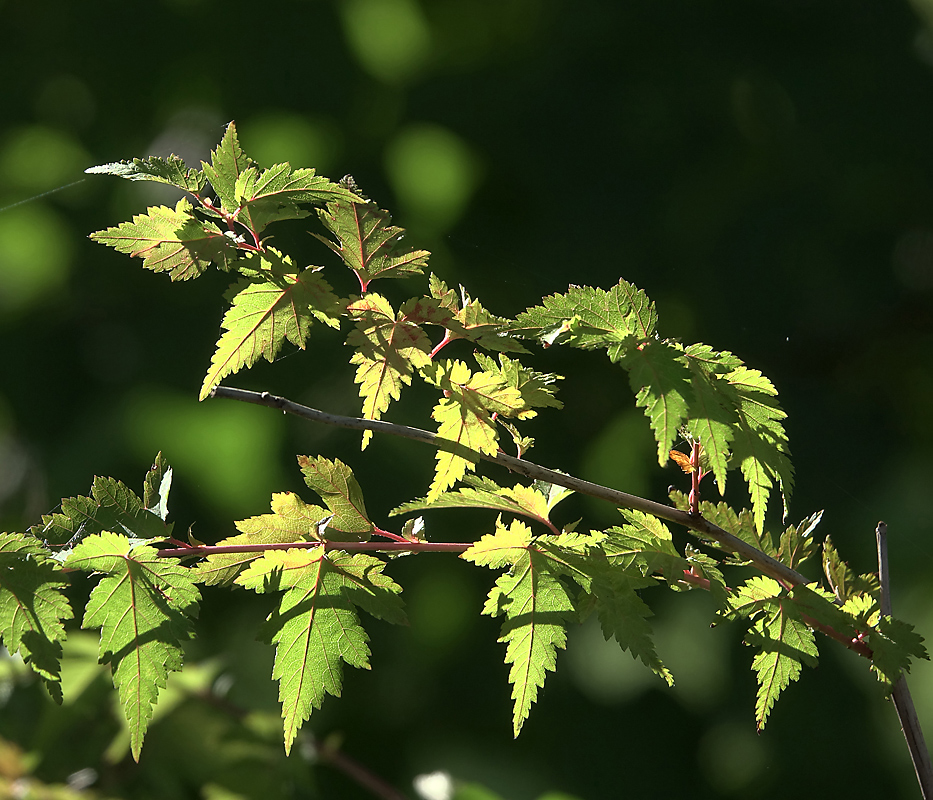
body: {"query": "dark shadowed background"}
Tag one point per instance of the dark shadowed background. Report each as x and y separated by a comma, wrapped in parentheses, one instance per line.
(762, 169)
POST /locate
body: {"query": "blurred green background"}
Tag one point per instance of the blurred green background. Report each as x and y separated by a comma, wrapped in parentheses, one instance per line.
(762, 169)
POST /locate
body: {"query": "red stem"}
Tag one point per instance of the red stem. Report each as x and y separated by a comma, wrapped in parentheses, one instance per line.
(384, 547)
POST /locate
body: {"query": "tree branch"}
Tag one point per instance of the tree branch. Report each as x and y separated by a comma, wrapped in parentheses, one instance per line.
(900, 694)
(769, 566)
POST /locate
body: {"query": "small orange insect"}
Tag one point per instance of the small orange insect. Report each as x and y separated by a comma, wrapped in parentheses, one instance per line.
(683, 461)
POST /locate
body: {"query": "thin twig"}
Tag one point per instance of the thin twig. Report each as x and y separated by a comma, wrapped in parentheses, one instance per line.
(900, 694)
(766, 564)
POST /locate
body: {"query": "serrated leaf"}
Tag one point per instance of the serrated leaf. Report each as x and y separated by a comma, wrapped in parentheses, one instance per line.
(842, 580)
(33, 607)
(275, 194)
(368, 243)
(798, 543)
(741, 525)
(645, 544)
(143, 608)
(228, 162)
(708, 567)
(112, 506)
(388, 348)
(171, 170)
(661, 380)
(471, 321)
(712, 419)
(893, 644)
(291, 520)
(777, 630)
(534, 502)
(536, 606)
(171, 240)
(465, 417)
(156, 487)
(760, 444)
(588, 318)
(337, 487)
(316, 628)
(278, 305)
(536, 388)
(623, 616)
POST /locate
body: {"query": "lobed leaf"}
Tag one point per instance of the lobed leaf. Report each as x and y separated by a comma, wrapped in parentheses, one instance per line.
(33, 606)
(784, 640)
(471, 321)
(143, 608)
(316, 628)
(275, 194)
(588, 318)
(536, 606)
(337, 487)
(228, 163)
(388, 348)
(171, 240)
(368, 243)
(661, 380)
(171, 170)
(291, 520)
(465, 417)
(644, 543)
(534, 502)
(112, 506)
(276, 306)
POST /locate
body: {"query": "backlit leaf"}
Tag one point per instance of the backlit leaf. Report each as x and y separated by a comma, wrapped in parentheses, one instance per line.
(33, 606)
(171, 240)
(276, 306)
(316, 628)
(143, 607)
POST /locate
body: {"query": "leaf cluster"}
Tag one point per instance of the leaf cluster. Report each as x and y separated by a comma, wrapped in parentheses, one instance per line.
(325, 562)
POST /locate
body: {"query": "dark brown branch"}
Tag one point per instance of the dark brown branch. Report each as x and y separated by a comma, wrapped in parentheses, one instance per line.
(764, 562)
(900, 694)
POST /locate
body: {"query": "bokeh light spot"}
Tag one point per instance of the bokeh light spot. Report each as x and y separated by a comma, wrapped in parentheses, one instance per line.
(433, 173)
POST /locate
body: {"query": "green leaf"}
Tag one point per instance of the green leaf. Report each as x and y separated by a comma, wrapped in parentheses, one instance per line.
(741, 525)
(316, 628)
(589, 318)
(465, 417)
(388, 347)
(112, 506)
(291, 520)
(623, 616)
(368, 243)
(536, 388)
(275, 194)
(470, 321)
(536, 606)
(760, 444)
(842, 580)
(712, 419)
(893, 643)
(645, 544)
(534, 502)
(171, 240)
(797, 542)
(659, 376)
(157, 485)
(276, 306)
(338, 488)
(143, 608)
(33, 606)
(171, 170)
(228, 162)
(784, 640)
